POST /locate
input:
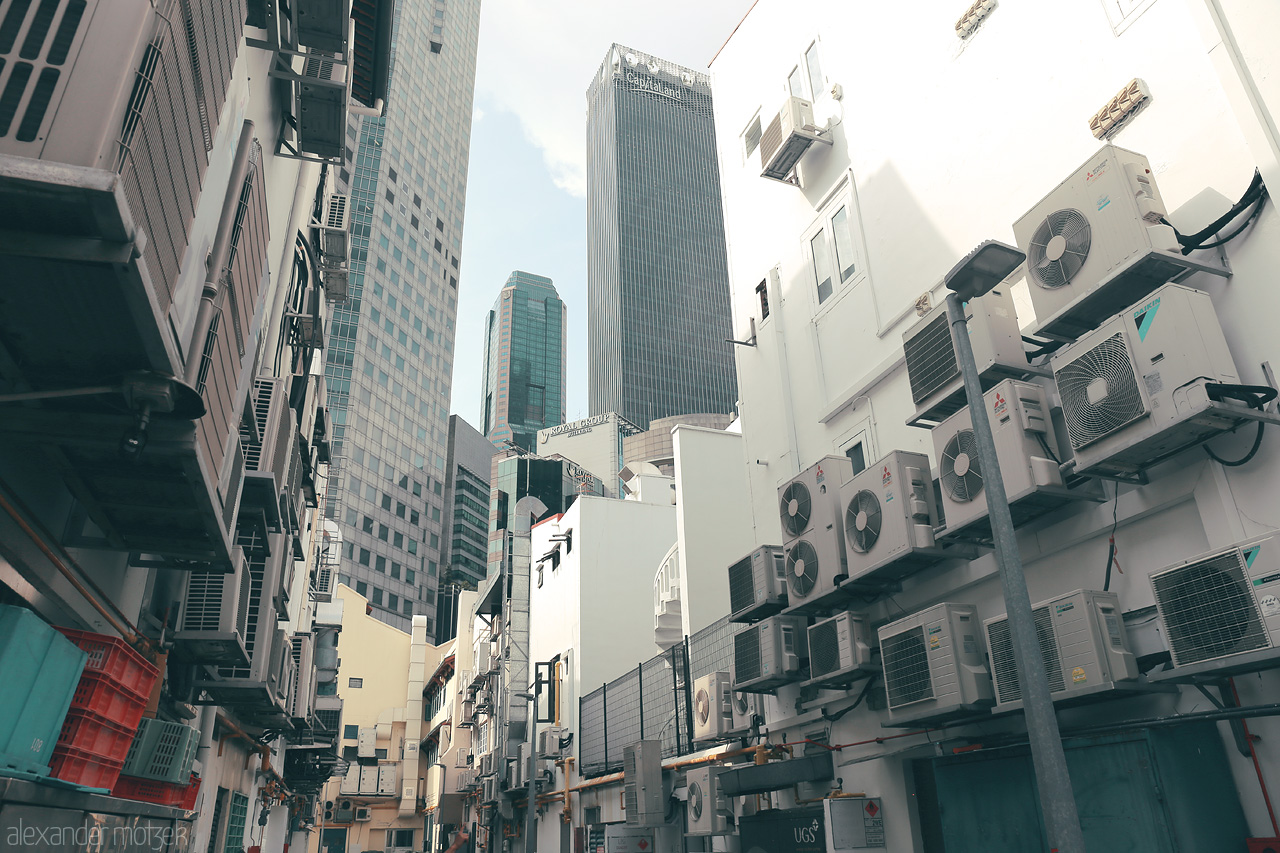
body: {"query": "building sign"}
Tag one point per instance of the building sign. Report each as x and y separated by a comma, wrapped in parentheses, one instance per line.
(654, 85)
(573, 428)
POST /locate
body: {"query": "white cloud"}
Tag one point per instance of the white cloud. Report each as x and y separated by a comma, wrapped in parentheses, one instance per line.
(537, 58)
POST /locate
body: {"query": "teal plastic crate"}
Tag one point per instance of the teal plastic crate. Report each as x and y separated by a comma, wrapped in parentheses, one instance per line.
(162, 751)
(39, 669)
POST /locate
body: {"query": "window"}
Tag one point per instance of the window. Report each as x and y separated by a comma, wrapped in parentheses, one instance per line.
(795, 83)
(393, 601)
(857, 457)
(816, 85)
(377, 597)
(351, 732)
(355, 682)
(762, 291)
(236, 816)
(362, 588)
(400, 837)
(751, 137)
(833, 254)
(380, 754)
(844, 243)
(821, 262)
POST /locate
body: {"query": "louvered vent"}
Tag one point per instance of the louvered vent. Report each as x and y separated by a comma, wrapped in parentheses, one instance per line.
(36, 62)
(742, 585)
(960, 472)
(1100, 392)
(746, 655)
(1003, 668)
(906, 667)
(771, 139)
(336, 211)
(203, 611)
(263, 395)
(251, 599)
(1208, 610)
(931, 359)
(824, 648)
(1059, 248)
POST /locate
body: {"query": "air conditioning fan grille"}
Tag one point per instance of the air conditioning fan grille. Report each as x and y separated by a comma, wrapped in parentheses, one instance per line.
(1208, 610)
(746, 655)
(824, 648)
(742, 586)
(1059, 248)
(906, 667)
(1003, 667)
(695, 800)
(702, 706)
(931, 359)
(802, 568)
(1100, 392)
(961, 473)
(796, 508)
(862, 520)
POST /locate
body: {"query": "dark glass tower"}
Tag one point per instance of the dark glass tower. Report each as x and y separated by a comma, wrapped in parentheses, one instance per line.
(524, 361)
(657, 275)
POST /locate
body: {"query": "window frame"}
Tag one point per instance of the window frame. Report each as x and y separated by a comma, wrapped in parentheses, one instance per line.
(841, 197)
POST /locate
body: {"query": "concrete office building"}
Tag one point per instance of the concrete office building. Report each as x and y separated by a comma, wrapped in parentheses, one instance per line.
(466, 492)
(595, 443)
(524, 361)
(657, 278)
(656, 445)
(391, 360)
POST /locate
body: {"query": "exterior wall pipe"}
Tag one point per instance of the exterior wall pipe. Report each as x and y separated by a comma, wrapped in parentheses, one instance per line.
(217, 268)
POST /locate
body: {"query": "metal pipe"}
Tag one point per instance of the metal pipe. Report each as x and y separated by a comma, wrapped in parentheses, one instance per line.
(219, 256)
(1057, 801)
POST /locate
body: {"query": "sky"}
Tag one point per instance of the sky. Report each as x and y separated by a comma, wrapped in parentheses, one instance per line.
(526, 187)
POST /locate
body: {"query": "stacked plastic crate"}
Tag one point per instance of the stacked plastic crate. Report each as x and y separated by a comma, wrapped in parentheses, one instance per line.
(39, 670)
(105, 711)
(158, 766)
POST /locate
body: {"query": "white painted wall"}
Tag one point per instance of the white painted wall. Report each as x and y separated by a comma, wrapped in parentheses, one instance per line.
(942, 144)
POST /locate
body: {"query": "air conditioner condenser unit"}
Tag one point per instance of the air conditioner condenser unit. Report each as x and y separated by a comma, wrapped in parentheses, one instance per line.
(934, 668)
(1084, 643)
(1096, 244)
(787, 137)
(746, 710)
(812, 523)
(758, 584)
(840, 650)
(712, 711)
(769, 654)
(708, 810)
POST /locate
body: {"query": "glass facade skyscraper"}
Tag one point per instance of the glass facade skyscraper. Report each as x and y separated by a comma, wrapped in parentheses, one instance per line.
(390, 355)
(524, 361)
(657, 274)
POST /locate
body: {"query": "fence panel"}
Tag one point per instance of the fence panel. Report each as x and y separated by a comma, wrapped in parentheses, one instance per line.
(591, 749)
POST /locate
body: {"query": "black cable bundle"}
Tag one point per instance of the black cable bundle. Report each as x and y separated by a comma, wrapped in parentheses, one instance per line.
(1255, 195)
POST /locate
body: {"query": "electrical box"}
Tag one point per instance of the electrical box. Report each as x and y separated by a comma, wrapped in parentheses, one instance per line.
(366, 746)
(854, 823)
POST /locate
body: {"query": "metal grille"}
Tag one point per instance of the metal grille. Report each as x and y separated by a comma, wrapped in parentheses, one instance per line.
(36, 69)
(252, 602)
(746, 655)
(1100, 392)
(1003, 667)
(1208, 610)
(236, 817)
(771, 139)
(742, 585)
(906, 667)
(203, 611)
(824, 647)
(931, 358)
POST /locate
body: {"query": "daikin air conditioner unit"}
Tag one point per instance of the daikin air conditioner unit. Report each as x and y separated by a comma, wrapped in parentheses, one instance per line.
(769, 654)
(840, 650)
(758, 584)
(1096, 244)
(1140, 387)
(937, 389)
(712, 714)
(708, 810)
(813, 525)
(1083, 641)
(890, 512)
(933, 664)
(213, 627)
(1221, 611)
(746, 712)
(1026, 448)
(643, 793)
(786, 138)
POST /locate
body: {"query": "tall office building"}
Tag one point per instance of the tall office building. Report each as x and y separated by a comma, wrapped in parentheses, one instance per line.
(657, 275)
(390, 358)
(466, 501)
(524, 361)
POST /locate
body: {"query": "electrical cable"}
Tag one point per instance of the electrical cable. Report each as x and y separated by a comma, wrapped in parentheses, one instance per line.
(1256, 396)
(1257, 208)
(1111, 547)
(1045, 445)
(1191, 242)
(831, 718)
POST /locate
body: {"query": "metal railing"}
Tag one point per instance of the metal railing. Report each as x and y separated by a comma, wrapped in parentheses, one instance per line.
(654, 701)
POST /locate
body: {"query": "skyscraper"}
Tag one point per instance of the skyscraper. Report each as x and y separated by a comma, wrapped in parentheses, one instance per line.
(466, 501)
(657, 276)
(524, 361)
(390, 360)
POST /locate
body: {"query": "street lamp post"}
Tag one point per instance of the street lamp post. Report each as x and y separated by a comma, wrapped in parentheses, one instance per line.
(984, 268)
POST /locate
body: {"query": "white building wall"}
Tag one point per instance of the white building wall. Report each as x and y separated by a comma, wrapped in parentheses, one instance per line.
(939, 144)
(594, 443)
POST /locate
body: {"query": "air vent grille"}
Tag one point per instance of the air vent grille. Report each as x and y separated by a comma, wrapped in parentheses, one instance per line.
(746, 655)
(931, 359)
(1003, 668)
(1208, 610)
(824, 648)
(1100, 392)
(742, 586)
(906, 667)
(961, 473)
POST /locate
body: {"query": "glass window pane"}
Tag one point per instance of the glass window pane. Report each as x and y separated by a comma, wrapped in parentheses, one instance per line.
(821, 265)
(796, 83)
(815, 71)
(844, 243)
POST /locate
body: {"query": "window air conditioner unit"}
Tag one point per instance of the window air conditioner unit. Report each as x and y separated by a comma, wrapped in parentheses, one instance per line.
(324, 580)
(515, 775)
(1027, 448)
(213, 628)
(486, 764)
(1220, 611)
(937, 389)
(712, 712)
(890, 512)
(1084, 643)
(769, 654)
(643, 795)
(933, 665)
(758, 584)
(1138, 388)
(322, 97)
(708, 810)
(839, 650)
(1095, 244)
(787, 136)
(467, 714)
(813, 526)
(482, 654)
(489, 790)
(745, 708)
(364, 813)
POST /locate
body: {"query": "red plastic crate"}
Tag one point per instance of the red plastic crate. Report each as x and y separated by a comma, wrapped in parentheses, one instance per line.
(100, 695)
(114, 659)
(158, 793)
(190, 793)
(90, 733)
(83, 768)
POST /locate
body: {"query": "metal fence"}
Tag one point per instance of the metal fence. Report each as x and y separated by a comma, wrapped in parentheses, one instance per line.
(654, 701)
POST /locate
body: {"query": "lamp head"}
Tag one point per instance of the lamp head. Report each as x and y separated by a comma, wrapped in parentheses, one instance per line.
(983, 268)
